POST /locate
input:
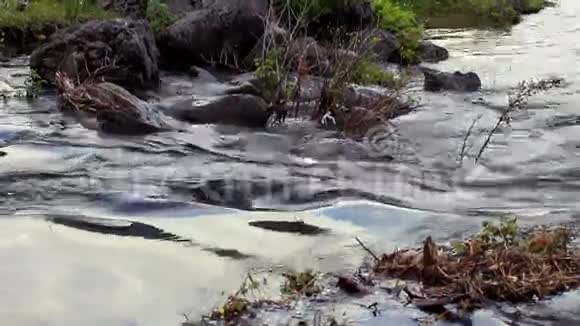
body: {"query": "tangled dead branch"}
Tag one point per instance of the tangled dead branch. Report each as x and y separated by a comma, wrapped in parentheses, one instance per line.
(500, 264)
(93, 97)
(115, 108)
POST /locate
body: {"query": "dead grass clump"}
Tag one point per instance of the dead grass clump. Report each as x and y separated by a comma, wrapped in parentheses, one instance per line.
(243, 303)
(233, 308)
(501, 263)
(301, 283)
(356, 122)
(115, 109)
(93, 95)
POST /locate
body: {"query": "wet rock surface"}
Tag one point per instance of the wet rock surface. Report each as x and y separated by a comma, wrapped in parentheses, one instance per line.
(385, 45)
(351, 16)
(237, 109)
(433, 53)
(436, 81)
(116, 110)
(123, 51)
(113, 227)
(297, 227)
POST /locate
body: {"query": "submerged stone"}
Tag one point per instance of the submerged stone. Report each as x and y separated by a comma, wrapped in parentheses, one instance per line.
(436, 81)
(299, 227)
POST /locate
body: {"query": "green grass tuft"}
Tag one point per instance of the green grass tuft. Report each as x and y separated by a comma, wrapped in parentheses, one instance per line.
(41, 13)
(401, 21)
(366, 72)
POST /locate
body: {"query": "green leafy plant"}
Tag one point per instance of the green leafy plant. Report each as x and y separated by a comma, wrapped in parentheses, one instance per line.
(266, 71)
(159, 15)
(403, 23)
(271, 71)
(34, 84)
(366, 72)
(506, 233)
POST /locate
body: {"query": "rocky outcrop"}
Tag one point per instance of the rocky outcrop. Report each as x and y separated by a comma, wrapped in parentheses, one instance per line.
(125, 47)
(383, 44)
(135, 9)
(115, 109)
(125, 114)
(436, 81)
(239, 110)
(432, 53)
(223, 31)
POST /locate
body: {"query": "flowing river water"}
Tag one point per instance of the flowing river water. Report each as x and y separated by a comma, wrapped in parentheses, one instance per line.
(192, 193)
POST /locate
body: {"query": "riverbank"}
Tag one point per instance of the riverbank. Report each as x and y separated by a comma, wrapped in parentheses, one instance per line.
(472, 13)
(334, 48)
(22, 29)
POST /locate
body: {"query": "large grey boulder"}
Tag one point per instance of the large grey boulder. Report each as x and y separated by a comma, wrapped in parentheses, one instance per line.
(347, 15)
(113, 108)
(432, 53)
(123, 51)
(237, 109)
(223, 31)
(381, 43)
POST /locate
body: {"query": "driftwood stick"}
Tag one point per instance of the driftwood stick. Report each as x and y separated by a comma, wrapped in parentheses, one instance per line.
(367, 249)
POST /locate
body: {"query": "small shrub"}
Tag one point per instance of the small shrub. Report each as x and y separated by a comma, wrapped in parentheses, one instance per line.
(366, 72)
(159, 15)
(34, 84)
(266, 70)
(402, 22)
(506, 234)
(271, 71)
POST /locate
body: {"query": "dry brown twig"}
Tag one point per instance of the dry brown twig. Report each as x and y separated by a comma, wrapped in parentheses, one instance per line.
(517, 101)
(464, 148)
(367, 249)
